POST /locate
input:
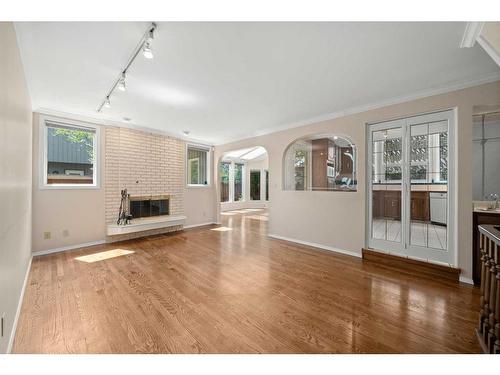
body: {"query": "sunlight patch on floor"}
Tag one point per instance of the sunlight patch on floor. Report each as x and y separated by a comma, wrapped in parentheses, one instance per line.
(221, 229)
(103, 255)
(258, 217)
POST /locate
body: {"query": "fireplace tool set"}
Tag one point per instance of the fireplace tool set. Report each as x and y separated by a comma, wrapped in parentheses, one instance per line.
(124, 216)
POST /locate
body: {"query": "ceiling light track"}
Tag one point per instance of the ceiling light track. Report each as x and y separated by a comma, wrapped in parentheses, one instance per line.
(143, 46)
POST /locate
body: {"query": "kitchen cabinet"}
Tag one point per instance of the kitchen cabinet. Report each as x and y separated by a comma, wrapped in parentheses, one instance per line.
(322, 150)
(387, 204)
(479, 218)
(346, 166)
(420, 205)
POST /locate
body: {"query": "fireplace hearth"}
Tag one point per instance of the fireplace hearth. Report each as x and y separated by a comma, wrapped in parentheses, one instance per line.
(149, 205)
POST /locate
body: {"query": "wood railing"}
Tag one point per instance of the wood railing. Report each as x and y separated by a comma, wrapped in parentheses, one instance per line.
(488, 332)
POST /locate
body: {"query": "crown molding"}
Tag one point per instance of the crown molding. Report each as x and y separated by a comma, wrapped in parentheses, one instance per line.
(105, 122)
(494, 54)
(330, 116)
(471, 33)
(375, 105)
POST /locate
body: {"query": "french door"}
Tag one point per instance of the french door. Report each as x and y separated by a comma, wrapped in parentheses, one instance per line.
(411, 187)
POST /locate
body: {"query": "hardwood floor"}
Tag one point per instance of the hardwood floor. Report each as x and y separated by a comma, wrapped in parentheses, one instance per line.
(237, 291)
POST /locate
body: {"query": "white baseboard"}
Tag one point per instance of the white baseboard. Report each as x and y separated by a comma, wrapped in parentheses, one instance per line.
(466, 280)
(66, 248)
(319, 246)
(198, 225)
(19, 305)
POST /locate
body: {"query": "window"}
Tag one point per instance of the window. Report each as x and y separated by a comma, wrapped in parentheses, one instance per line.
(238, 182)
(322, 162)
(300, 169)
(255, 185)
(224, 181)
(267, 185)
(70, 155)
(197, 165)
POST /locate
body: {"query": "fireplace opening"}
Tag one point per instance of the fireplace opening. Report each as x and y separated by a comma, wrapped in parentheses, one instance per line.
(147, 206)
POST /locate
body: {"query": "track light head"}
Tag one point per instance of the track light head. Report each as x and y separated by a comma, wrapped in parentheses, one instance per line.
(107, 103)
(121, 84)
(147, 51)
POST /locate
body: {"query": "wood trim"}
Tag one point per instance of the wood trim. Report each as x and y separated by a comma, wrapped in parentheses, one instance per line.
(407, 265)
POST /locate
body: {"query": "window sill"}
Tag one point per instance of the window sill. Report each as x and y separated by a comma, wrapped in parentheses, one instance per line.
(68, 187)
(188, 186)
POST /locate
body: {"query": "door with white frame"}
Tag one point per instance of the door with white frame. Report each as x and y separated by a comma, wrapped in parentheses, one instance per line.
(411, 189)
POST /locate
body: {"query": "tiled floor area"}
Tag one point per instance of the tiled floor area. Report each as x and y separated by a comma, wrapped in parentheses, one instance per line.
(422, 234)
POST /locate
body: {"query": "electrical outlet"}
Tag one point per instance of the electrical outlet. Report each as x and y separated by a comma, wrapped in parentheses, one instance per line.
(65, 233)
(46, 235)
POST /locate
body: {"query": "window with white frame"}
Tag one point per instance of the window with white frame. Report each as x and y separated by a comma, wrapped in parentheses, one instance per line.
(232, 181)
(69, 155)
(197, 165)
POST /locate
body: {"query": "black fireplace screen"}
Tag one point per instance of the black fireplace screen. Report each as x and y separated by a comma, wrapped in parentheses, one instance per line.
(149, 207)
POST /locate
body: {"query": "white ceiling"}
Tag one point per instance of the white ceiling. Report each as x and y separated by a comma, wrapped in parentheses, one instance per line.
(246, 154)
(226, 81)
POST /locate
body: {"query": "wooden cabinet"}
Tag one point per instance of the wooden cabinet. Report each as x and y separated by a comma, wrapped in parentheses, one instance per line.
(479, 218)
(346, 162)
(387, 204)
(420, 205)
(392, 204)
(321, 149)
(378, 202)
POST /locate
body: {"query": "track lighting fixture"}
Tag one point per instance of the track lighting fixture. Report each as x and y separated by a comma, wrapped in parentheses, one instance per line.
(144, 46)
(121, 85)
(147, 51)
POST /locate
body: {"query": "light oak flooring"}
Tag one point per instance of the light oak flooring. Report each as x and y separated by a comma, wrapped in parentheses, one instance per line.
(234, 290)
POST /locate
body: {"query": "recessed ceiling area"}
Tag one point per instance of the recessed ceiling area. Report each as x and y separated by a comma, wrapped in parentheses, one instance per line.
(227, 81)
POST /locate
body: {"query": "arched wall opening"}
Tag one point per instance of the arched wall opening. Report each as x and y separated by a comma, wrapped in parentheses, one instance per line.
(320, 162)
(242, 179)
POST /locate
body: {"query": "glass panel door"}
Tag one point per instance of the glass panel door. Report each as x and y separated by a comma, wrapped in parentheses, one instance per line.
(386, 150)
(428, 200)
(409, 187)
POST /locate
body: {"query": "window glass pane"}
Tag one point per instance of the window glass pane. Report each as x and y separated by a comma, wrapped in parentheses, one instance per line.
(197, 166)
(238, 182)
(267, 185)
(224, 181)
(70, 155)
(300, 169)
(255, 185)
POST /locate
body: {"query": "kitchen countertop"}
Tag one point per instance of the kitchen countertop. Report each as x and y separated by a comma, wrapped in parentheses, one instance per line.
(441, 188)
(488, 211)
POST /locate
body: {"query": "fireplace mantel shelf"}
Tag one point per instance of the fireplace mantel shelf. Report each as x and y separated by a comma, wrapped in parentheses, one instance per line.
(140, 225)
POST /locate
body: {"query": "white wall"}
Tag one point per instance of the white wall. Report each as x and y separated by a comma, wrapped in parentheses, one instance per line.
(491, 156)
(15, 181)
(79, 211)
(82, 211)
(337, 219)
